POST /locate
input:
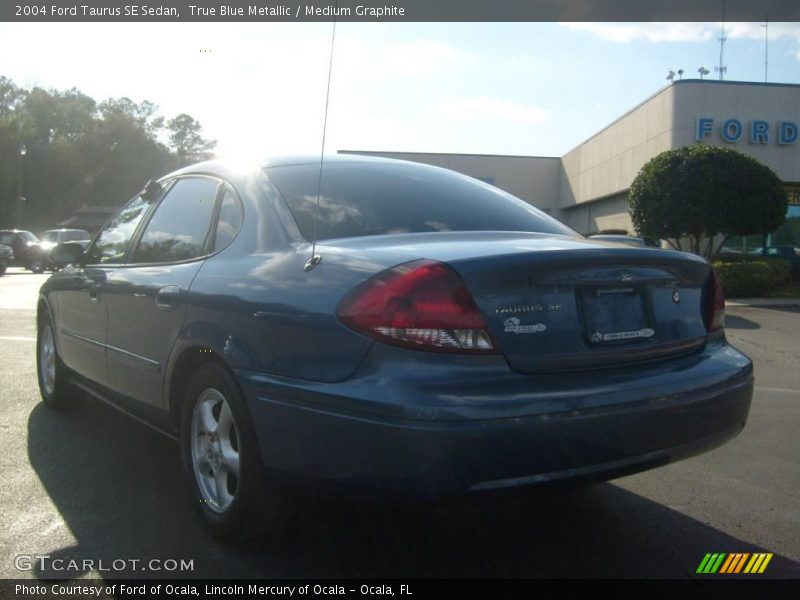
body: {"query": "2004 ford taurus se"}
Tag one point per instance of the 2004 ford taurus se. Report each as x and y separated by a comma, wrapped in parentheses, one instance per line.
(441, 336)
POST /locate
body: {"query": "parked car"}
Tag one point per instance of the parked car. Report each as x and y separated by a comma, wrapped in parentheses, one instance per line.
(787, 253)
(22, 243)
(401, 327)
(40, 253)
(6, 258)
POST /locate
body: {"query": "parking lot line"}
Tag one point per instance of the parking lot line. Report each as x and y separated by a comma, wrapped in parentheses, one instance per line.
(777, 390)
(16, 338)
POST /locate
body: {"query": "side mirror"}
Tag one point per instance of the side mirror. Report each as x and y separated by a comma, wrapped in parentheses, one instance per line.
(68, 253)
(151, 190)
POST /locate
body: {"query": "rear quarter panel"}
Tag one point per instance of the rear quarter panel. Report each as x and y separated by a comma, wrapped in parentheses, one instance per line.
(254, 304)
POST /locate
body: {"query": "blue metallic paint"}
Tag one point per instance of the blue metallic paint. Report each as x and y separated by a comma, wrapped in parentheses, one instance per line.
(332, 404)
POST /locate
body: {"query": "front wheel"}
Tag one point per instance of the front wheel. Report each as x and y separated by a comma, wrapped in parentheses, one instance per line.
(54, 385)
(222, 460)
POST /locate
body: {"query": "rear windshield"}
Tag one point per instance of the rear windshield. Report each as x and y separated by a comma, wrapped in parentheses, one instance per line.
(359, 199)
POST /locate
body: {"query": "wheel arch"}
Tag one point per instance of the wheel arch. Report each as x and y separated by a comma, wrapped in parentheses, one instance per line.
(41, 306)
(190, 356)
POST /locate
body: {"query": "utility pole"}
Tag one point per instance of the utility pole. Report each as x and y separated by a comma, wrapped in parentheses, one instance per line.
(722, 39)
(20, 199)
(766, 47)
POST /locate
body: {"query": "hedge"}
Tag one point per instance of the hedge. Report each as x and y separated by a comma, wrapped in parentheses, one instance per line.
(752, 278)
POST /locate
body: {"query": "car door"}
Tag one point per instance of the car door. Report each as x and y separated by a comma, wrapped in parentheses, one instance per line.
(81, 305)
(146, 298)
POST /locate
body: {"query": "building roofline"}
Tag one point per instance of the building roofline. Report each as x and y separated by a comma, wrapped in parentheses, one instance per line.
(668, 86)
(370, 152)
(732, 82)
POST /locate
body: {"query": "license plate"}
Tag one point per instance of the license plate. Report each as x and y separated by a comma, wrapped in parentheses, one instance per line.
(615, 315)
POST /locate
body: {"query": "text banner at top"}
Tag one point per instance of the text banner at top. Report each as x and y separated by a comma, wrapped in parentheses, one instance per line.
(403, 10)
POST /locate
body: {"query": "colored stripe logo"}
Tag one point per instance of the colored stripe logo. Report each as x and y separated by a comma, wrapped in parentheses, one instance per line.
(734, 563)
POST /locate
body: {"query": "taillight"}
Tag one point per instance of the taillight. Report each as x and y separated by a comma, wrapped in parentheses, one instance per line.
(714, 304)
(422, 305)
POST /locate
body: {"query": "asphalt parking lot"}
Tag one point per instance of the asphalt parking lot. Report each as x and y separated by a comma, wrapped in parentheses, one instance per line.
(91, 484)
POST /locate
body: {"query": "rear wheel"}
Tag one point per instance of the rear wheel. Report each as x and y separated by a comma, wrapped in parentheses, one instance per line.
(222, 459)
(54, 385)
(2, 270)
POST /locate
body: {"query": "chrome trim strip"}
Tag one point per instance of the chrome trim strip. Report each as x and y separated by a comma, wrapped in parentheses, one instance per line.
(83, 339)
(153, 365)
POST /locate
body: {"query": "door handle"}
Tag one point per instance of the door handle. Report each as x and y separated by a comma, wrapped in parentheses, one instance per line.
(168, 297)
(93, 282)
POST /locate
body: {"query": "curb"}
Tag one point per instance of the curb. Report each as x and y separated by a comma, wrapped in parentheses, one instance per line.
(763, 303)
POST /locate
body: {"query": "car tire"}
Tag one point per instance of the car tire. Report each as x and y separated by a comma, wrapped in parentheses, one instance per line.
(54, 384)
(37, 265)
(222, 460)
(2, 270)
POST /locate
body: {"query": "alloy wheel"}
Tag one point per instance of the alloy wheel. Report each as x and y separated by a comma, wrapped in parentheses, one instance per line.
(215, 450)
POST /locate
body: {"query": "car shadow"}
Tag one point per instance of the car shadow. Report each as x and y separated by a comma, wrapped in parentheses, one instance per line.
(119, 488)
(737, 322)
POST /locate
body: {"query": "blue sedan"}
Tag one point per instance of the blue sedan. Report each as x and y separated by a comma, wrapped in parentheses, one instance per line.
(383, 325)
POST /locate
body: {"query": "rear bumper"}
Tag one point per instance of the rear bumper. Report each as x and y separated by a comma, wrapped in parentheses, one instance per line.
(531, 431)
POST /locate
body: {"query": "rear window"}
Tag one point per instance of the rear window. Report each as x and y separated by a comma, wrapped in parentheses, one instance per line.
(359, 199)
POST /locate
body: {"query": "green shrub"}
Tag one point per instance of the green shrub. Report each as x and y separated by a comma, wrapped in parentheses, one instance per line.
(752, 278)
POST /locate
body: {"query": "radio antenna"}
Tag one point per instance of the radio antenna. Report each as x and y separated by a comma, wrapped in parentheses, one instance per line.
(315, 258)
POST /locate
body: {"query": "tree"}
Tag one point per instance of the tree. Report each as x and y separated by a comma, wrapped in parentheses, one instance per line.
(698, 192)
(79, 152)
(185, 138)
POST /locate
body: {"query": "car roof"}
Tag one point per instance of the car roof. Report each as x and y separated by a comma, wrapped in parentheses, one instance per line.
(224, 167)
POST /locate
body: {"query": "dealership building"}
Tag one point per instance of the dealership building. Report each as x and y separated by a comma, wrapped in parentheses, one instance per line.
(587, 188)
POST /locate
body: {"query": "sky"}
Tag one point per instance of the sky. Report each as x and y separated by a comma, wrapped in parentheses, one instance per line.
(534, 89)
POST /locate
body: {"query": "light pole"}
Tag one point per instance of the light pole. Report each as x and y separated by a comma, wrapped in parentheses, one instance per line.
(20, 199)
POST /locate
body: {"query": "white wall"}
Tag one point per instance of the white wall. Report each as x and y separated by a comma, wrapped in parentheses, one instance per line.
(607, 163)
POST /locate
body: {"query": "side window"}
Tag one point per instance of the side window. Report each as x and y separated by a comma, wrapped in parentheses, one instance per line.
(178, 229)
(229, 221)
(112, 242)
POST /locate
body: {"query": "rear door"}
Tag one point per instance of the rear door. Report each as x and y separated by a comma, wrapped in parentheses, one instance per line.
(146, 298)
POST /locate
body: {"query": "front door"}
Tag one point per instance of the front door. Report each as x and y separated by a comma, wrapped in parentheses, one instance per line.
(81, 309)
